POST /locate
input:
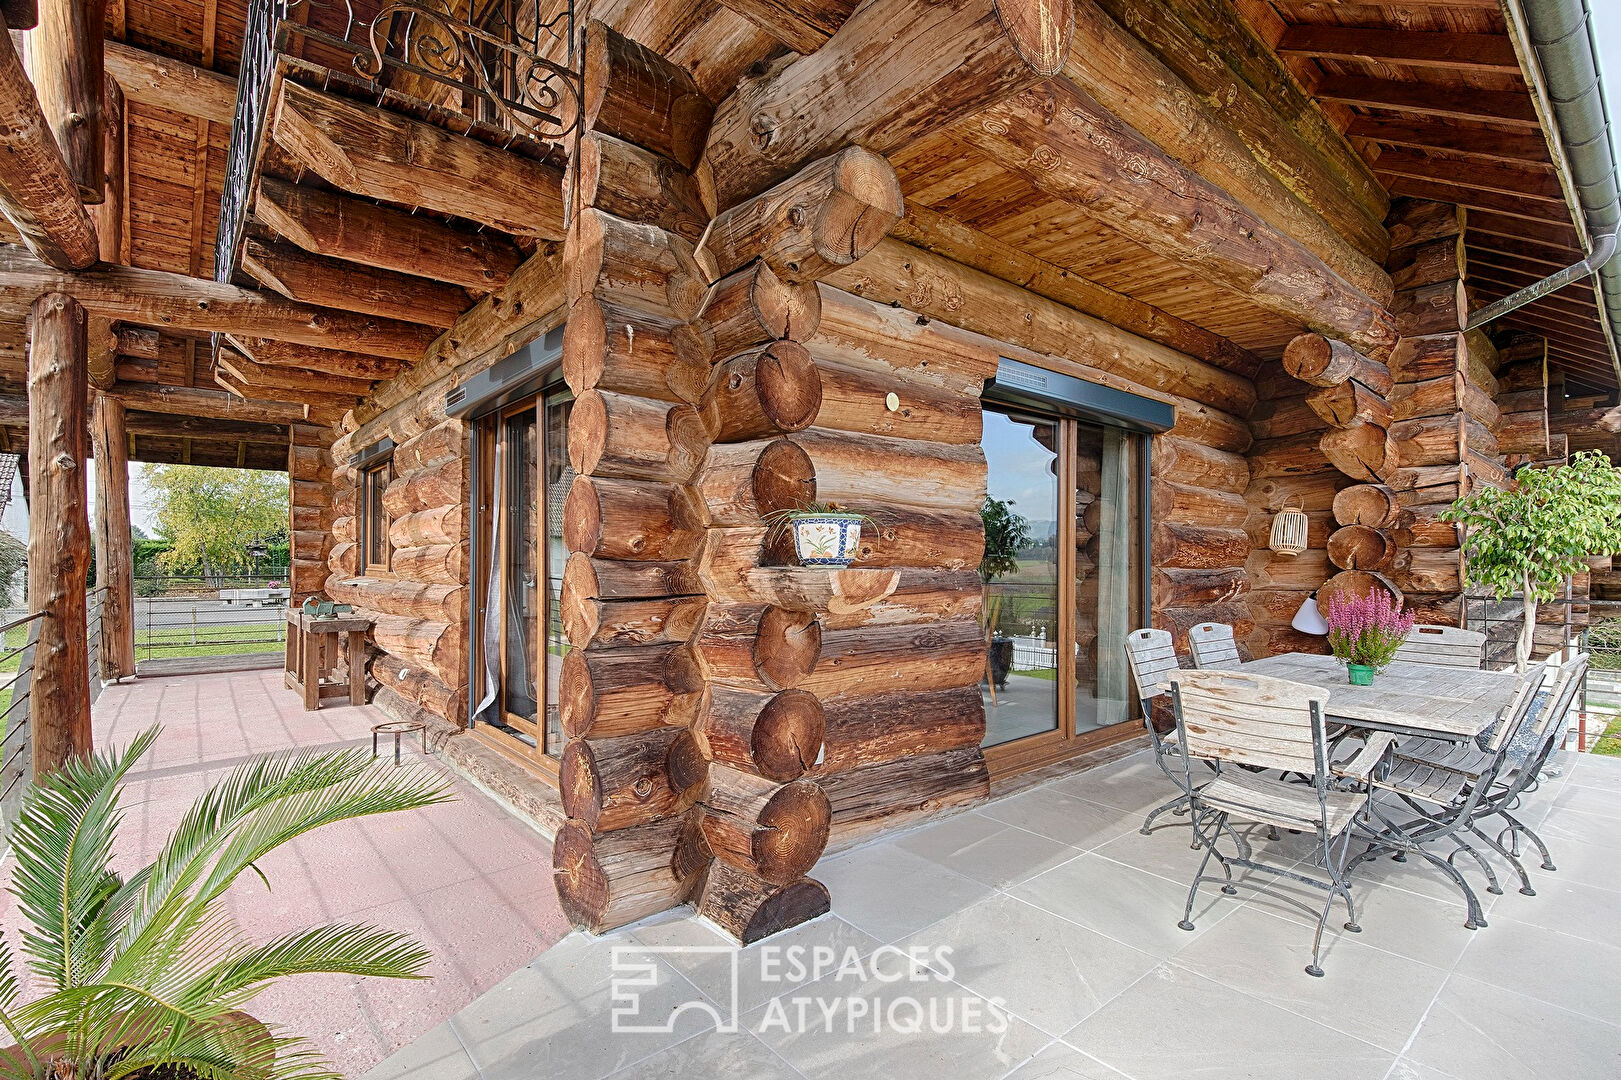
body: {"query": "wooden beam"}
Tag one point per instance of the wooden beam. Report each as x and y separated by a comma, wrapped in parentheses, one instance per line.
(341, 227)
(896, 70)
(63, 57)
(170, 84)
(109, 221)
(215, 404)
(802, 25)
(58, 531)
(1409, 48)
(933, 231)
(1561, 238)
(1067, 145)
(1541, 257)
(1510, 180)
(1475, 199)
(1429, 99)
(348, 365)
(383, 155)
(115, 560)
(37, 193)
(164, 300)
(1490, 144)
(174, 426)
(300, 275)
(287, 380)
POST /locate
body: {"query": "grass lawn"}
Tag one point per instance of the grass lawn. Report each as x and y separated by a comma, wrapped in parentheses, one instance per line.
(1610, 742)
(208, 641)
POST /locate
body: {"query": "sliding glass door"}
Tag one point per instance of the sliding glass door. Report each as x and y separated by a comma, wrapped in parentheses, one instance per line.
(1062, 571)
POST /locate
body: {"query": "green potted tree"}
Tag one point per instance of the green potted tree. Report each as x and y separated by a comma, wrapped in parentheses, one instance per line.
(145, 977)
(1531, 538)
(1006, 534)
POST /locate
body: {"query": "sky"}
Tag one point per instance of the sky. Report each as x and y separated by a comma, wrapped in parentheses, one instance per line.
(1024, 477)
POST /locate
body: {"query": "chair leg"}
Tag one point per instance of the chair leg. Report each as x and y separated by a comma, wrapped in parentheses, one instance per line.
(1519, 867)
(1521, 827)
(1175, 806)
(1209, 843)
(1485, 867)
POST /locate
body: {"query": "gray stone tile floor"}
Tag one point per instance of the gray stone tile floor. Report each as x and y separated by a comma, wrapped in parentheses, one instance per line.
(1035, 938)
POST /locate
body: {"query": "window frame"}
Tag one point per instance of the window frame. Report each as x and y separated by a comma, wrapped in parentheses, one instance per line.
(376, 473)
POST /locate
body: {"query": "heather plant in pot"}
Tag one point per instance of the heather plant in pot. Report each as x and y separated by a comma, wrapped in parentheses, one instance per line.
(145, 977)
(1365, 632)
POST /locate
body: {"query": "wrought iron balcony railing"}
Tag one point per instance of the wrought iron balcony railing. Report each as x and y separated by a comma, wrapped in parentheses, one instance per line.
(510, 64)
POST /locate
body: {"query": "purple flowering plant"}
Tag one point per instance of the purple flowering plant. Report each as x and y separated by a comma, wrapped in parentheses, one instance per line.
(1368, 630)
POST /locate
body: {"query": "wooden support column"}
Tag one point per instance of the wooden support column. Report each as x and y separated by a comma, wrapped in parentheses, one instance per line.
(36, 190)
(58, 530)
(309, 470)
(108, 217)
(64, 56)
(115, 557)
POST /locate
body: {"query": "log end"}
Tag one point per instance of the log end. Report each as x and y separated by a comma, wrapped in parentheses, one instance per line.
(864, 205)
(1040, 30)
(784, 478)
(789, 385)
(788, 735)
(794, 831)
(787, 647)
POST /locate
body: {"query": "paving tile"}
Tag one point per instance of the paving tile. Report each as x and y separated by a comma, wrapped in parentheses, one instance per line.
(1134, 784)
(436, 1055)
(1405, 923)
(735, 1054)
(1475, 1029)
(889, 892)
(1261, 955)
(1600, 801)
(1049, 971)
(1176, 1023)
(926, 1029)
(1062, 817)
(1060, 1061)
(1412, 1070)
(1579, 975)
(1565, 905)
(987, 850)
(1130, 905)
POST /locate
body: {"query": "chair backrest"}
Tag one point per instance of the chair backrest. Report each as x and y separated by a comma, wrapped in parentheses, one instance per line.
(1212, 646)
(1151, 653)
(1447, 646)
(1514, 713)
(1245, 719)
(1567, 684)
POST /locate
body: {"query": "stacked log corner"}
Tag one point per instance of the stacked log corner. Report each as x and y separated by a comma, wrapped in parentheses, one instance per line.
(309, 470)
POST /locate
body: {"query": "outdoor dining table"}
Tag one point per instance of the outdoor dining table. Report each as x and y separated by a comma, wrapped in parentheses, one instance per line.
(1451, 703)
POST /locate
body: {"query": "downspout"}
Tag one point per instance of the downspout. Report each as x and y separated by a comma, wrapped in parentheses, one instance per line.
(1557, 50)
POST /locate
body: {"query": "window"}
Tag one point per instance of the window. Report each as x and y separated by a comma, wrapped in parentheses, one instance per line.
(522, 478)
(376, 550)
(1066, 562)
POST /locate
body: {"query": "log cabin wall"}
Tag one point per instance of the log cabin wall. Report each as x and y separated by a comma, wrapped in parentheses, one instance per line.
(311, 508)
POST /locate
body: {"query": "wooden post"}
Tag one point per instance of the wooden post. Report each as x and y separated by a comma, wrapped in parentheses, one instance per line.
(115, 562)
(58, 530)
(64, 60)
(108, 219)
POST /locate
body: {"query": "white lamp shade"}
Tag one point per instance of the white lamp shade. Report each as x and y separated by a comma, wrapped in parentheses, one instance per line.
(1308, 620)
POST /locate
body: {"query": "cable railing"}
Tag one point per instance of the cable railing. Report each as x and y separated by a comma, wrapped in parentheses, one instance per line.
(222, 616)
(20, 636)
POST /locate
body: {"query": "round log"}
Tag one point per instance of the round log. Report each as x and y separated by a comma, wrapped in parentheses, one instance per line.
(754, 307)
(1189, 462)
(618, 877)
(589, 621)
(776, 735)
(921, 595)
(419, 685)
(1197, 505)
(446, 439)
(1322, 361)
(630, 265)
(607, 347)
(638, 185)
(633, 93)
(1361, 450)
(750, 908)
(436, 564)
(756, 646)
(853, 469)
(1176, 544)
(1354, 584)
(869, 729)
(636, 438)
(774, 831)
(1360, 547)
(443, 603)
(870, 659)
(859, 400)
(437, 525)
(630, 519)
(608, 579)
(1186, 587)
(1350, 401)
(777, 389)
(429, 643)
(606, 693)
(742, 483)
(1373, 505)
(828, 215)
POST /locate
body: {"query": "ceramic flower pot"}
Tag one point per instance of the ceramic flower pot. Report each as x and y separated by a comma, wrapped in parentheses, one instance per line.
(827, 539)
(1361, 674)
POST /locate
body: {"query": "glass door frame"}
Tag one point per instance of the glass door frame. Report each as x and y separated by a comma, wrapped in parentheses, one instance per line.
(1045, 748)
(487, 430)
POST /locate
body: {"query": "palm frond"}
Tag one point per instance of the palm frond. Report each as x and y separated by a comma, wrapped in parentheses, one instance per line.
(338, 949)
(63, 842)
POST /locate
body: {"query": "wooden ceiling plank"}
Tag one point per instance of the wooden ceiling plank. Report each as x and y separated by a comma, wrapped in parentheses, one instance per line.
(1429, 99)
(382, 155)
(299, 275)
(37, 192)
(1561, 238)
(357, 231)
(1494, 52)
(160, 299)
(165, 83)
(1503, 179)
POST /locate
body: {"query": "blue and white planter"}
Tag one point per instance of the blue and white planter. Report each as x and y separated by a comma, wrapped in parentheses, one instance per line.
(827, 539)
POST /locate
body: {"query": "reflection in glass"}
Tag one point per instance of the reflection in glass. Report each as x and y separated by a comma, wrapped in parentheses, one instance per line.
(520, 564)
(1020, 572)
(559, 476)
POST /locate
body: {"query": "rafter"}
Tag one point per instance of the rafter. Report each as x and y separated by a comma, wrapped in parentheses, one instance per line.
(1493, 52)
(1560, 237)
(1475, 199)
(1428, 99)
(1488, 144)
(170, 84)
(1503, 179)
(382, 155)
(344, 365)
(198, 401)
(293, 380)
(299, 275)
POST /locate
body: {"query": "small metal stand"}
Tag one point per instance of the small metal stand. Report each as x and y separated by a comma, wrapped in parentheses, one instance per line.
(397, 728)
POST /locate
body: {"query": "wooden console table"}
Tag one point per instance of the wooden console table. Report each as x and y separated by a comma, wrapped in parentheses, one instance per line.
(313, 646)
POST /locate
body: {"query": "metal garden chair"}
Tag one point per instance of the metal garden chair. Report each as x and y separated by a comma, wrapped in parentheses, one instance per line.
(1229, 718)
(1212, 646)
(1447, 646)
(1525, 750)
(1151, 655)
(1445, 798)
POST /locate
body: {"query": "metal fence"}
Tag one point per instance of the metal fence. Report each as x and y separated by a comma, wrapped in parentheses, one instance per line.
(193, 616)
(20, 635)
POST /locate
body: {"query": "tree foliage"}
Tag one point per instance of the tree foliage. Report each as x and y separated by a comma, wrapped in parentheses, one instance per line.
(1006, 534)
(13, 557)
(209, 515)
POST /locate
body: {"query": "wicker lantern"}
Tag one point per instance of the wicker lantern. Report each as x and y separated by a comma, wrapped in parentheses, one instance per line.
(1289, 531)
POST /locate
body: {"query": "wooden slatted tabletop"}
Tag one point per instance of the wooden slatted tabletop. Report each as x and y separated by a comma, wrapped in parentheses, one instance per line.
(1405, 698)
